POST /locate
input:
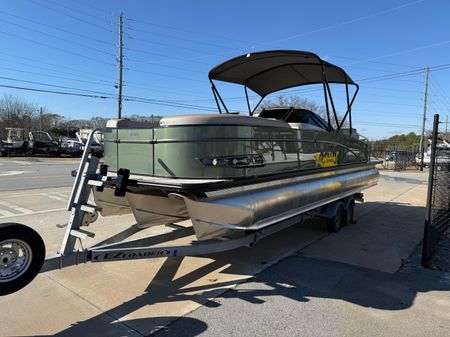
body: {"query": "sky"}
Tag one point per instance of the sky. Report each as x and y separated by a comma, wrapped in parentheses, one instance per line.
(169, 46)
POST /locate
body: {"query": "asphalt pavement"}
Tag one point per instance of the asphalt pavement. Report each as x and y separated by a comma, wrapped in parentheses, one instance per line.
(36, 172)
(301, 281)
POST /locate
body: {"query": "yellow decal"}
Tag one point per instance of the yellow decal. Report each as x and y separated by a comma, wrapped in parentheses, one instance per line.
(326, 159)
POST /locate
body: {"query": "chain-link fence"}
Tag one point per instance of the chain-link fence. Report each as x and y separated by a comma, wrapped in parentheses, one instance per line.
(396, 156)
(437, 221)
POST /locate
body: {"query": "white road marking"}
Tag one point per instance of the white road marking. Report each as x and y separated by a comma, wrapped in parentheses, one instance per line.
(21, 162)
(7, 195)
(5, 213)
(11, 173)
(15, 207)
(61, 194)
(37, 212)
(55, 197)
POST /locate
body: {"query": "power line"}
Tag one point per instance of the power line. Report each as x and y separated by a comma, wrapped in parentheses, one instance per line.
(53, 85)
(97, 94)
(386, 124)
(57, 28)
(163, 43)
(174, 37)
(187, 31)
(436, 44)
(70, 16)
(163, 65)
(370, 61)
(50, 64)
(53, 91)
(59, 3)
(60, 38)
(164, 103)
(164, 75)
(55, 76)
(87, 74)
(440, 92)
(52, 70)
(145, 52)
(91, 6)
(56, 48)
(344, 23)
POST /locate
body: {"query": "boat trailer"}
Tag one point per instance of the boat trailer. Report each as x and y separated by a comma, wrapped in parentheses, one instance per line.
(22, 250)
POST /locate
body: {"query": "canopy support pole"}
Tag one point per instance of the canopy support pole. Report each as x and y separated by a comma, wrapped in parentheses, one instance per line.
(326, 97)
(257, 105)
(349, 108)
(217, 95)
(248, 101)
(215, 98)
(332, 102)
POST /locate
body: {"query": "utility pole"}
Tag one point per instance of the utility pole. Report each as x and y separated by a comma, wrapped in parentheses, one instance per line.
(424, 118)
(40, 119)
(119, 114)
(446, 125)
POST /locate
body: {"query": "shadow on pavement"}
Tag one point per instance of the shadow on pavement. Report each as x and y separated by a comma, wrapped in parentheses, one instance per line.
(297, 278)
(96, 327)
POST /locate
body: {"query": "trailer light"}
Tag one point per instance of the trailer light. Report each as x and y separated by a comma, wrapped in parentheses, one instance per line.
(233, 161)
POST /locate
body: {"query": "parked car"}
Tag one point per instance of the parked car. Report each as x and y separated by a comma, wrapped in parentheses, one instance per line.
(16, 142)
(3, 150)
(71, 146)
(396, 155)
(40, 142)
(97, 143)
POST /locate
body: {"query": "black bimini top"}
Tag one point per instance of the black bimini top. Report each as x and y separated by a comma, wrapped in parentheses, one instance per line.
(271, 71)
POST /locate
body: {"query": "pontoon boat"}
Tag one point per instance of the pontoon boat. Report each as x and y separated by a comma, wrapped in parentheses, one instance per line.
(230, 173)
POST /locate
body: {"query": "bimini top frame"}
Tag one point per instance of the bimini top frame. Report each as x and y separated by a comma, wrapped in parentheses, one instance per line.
(271, 71)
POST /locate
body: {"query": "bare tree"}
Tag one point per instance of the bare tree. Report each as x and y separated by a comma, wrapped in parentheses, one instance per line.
(295, 102)
(301, 103)
(16, 113)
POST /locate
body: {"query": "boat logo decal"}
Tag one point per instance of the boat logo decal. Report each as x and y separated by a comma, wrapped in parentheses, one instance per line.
(326, 159)
(124, 255)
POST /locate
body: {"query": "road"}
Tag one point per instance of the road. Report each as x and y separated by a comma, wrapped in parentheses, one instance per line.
(31, 173)
(324, 278)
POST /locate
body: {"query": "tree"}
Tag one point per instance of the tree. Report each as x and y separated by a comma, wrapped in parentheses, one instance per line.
(408, 142)
(16, 113)
(301, 103)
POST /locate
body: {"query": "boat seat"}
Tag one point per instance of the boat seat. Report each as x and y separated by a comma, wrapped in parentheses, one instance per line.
(221, 119)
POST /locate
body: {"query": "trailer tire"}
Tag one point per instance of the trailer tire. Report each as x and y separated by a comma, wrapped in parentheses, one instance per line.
(22, 254)
(349, 213)
(335, 223)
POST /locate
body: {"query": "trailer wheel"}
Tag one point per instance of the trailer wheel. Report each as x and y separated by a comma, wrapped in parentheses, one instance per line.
(22, 253)
(335, 223)
(349, 213)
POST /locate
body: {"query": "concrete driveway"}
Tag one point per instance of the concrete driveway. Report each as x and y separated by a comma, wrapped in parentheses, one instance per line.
(137, 298)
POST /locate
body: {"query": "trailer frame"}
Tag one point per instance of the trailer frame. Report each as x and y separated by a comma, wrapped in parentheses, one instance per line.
(114, 248)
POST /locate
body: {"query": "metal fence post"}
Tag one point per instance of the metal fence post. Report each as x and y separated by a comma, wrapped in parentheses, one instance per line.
(427, 228)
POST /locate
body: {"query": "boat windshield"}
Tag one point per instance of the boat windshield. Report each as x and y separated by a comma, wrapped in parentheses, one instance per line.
(290, 115)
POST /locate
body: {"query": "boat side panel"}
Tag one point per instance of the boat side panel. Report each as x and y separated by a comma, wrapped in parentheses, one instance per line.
(180, 151)
(136, 157)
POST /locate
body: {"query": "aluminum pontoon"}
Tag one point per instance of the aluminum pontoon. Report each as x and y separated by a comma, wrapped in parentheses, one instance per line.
(237, 178)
